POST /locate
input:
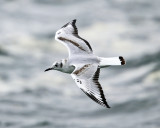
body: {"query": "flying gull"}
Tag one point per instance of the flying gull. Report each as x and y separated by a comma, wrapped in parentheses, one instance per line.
(82, 64)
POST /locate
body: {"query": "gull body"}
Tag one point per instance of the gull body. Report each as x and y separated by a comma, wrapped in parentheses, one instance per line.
(82, 64)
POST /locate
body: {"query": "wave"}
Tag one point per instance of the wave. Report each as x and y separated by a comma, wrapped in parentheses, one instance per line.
(3, 52)
(144, 60)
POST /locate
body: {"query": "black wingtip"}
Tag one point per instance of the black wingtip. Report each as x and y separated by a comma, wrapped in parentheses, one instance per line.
(73, 22)
(95, 79)
(108, 106)
(122, 60)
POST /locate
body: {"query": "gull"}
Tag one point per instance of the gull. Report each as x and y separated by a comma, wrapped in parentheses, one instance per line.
(82, 64)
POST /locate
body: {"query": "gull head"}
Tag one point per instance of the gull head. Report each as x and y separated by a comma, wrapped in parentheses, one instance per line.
(56, 66)
(62, 66)
(66, 30)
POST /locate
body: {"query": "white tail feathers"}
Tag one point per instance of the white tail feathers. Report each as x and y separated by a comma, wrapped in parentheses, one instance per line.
(104, 62)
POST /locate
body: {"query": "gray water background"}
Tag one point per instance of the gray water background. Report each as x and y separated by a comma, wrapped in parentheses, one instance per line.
(30, 98)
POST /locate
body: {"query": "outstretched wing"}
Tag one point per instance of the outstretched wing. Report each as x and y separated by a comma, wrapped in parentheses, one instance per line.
(86, 77)
(68, 35)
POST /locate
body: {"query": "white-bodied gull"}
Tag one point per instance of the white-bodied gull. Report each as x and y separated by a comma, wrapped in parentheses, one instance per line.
(82, 64)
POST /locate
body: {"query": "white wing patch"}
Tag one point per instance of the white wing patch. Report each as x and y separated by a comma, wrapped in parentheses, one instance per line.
(68, 35)
(86, 77)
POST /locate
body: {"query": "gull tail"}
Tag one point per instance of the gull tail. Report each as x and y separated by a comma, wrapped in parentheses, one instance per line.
(105, 62)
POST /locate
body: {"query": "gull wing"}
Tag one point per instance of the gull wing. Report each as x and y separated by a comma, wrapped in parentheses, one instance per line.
(86, 78)
(68, 35)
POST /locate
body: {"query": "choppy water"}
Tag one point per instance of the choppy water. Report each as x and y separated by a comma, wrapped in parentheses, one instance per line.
(30, 98)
